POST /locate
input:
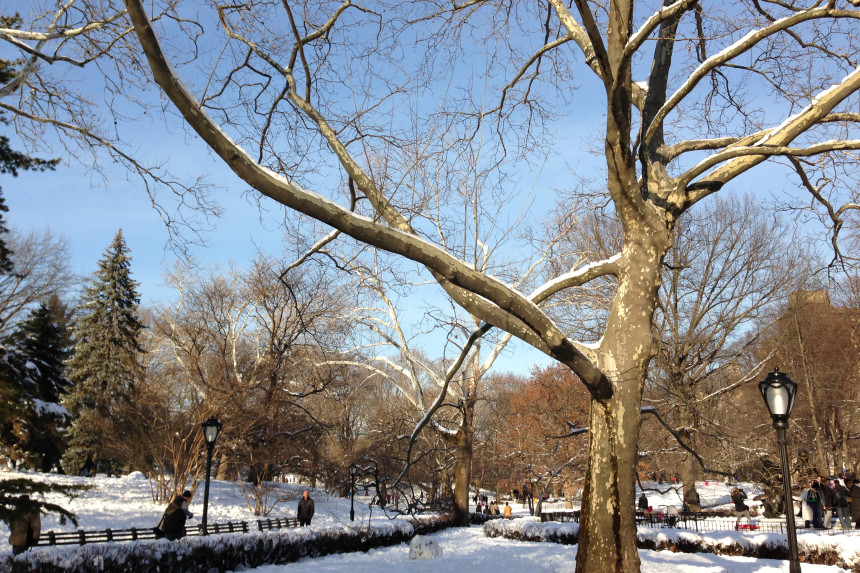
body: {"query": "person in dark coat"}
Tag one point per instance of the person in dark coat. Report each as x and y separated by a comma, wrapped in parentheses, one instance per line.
(815, 499)
(854, 494)
(173, 522)
(306, 509)
(741, 509)
(828, 501)
(643, 503)
(26, 531)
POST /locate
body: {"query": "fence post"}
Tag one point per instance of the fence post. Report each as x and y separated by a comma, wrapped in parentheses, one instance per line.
(260, 524)
(244, 527)
(109, 534)
(82, 535)
(52, 538)
(134, 534)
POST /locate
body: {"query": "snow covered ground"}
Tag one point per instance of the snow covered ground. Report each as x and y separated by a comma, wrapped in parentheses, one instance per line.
(126, 502)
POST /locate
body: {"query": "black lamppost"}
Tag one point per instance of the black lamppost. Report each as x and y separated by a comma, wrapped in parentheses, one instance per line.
(778, 392)
(352, 471)
(211, 428)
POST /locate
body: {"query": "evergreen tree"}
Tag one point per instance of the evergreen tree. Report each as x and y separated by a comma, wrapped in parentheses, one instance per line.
(41, 342)
(13, 506)
(104, 361)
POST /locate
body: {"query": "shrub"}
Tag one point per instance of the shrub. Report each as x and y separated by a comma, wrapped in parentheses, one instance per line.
(222, 552)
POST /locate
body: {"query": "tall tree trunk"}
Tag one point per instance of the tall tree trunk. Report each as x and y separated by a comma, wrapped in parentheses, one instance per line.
(223, 467)
(688, 464)
(462, 474)
(809, 384)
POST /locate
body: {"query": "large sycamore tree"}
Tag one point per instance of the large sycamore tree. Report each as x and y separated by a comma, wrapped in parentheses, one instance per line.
(343, 111)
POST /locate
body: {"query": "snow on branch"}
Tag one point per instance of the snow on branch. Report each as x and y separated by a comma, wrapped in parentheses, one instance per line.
(737, 48)
(644, 32)
(767, 151)
(578, 277)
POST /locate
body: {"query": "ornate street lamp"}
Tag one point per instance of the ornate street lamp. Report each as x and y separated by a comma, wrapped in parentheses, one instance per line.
(779, 392)
(211, 429)
(353, 469)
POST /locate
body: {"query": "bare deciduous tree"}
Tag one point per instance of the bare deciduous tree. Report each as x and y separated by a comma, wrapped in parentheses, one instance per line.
(693, 98)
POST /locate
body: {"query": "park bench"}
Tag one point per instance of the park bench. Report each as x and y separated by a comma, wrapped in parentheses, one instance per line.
(560, 515)
(277, 523)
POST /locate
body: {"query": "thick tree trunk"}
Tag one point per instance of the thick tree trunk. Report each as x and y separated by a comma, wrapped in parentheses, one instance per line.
(688, 467)
(462, 474)
(607, 538)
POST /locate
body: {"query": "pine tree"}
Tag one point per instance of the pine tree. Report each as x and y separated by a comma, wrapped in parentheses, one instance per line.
(41, 342)
(104, 362)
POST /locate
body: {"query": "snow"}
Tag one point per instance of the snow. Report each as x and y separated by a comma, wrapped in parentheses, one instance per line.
(51, 408)
(125, 502)
(553, 284)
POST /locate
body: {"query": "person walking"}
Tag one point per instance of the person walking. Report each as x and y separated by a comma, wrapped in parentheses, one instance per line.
(26, 530)
(643, 502)
(305, 511)
(175, 516)
(813, 499)
(827, 501)
(840, 502)
(741, 509)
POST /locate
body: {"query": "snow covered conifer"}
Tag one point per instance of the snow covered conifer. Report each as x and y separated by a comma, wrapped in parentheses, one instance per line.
(104, 362)
(40, 343)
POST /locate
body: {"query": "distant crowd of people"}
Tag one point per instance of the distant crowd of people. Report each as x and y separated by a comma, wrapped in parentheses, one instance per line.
(826, 497)
(491, 507)
(819, 503)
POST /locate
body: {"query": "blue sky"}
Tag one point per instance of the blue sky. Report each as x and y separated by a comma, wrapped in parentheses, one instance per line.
(81, 207)
(88, 210)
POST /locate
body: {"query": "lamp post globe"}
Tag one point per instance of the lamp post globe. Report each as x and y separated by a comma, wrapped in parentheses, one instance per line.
(778, 392)
(211, 429)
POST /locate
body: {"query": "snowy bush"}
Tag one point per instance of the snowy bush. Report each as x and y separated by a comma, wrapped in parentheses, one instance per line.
(421, 548)
(221, 553)
(531, 529)
(841, 550)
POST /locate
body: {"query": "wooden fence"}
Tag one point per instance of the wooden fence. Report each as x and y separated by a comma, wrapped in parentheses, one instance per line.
(82, 537)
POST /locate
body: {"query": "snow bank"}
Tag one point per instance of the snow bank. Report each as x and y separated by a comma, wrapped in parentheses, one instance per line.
(842, 550)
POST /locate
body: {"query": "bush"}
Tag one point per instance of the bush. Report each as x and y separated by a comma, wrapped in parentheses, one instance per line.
(222, 552)
(830, 550)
